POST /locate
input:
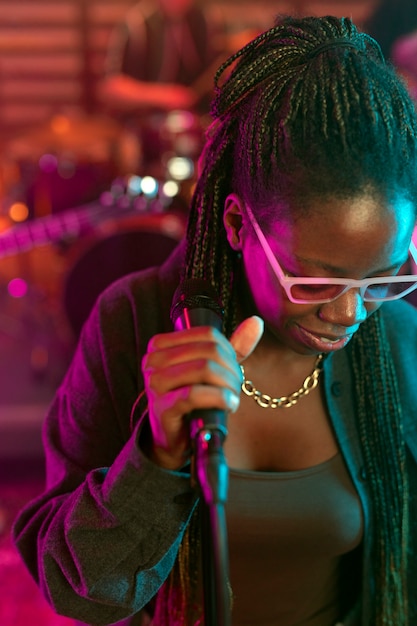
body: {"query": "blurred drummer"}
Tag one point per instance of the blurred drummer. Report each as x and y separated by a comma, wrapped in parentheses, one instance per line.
(159, 76)
(158, 57)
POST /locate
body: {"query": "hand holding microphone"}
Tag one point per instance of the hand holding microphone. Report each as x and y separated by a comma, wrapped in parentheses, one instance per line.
(195, 304)
(191, 370)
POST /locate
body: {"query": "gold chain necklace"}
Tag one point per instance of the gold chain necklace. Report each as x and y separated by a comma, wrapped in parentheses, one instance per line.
(285, 402)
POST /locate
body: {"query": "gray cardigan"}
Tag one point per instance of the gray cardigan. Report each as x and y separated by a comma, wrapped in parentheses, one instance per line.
(104, 535)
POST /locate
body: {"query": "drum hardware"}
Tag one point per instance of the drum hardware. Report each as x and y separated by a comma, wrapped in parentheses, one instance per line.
(136, 223)
(163, 136)
(126, 196)
(65, 162)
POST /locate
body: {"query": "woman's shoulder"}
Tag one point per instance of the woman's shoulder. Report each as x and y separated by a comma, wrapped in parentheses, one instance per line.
(400, 322)
(400, 319)
(401, 327)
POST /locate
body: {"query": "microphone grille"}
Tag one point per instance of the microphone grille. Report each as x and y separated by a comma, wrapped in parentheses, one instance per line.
(195, 293)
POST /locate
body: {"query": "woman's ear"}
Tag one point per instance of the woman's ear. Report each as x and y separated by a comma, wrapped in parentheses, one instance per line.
(233, 220)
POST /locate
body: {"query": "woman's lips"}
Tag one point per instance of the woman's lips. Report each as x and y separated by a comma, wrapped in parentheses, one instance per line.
(321, 343)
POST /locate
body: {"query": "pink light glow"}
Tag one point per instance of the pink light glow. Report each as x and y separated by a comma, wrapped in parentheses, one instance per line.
(17, 288)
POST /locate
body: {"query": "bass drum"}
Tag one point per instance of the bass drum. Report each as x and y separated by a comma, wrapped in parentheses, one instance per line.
(119, 248)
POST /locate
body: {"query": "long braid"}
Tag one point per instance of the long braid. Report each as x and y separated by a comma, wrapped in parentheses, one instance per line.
(379, 422)
(293, 122)
(208, 253)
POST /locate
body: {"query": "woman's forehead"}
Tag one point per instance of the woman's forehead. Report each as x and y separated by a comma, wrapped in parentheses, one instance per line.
(355, 214)
(332, 230)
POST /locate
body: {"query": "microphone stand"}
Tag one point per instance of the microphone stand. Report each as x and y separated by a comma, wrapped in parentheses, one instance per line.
(195, 304)
(211, 473)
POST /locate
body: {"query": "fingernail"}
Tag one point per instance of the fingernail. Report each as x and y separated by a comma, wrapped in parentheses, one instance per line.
(234, 402)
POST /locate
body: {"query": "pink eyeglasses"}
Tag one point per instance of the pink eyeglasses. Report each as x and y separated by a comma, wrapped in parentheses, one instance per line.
(308, 290)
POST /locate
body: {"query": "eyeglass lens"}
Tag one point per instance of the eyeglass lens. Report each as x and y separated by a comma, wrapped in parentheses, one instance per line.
(373, 292)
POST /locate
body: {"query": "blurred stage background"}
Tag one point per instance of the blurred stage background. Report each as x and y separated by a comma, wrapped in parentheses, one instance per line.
(74, 214)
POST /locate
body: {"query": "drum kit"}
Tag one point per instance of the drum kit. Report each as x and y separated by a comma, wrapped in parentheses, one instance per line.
(82, 209)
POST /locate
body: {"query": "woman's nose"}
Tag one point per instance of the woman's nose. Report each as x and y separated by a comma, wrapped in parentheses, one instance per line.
(347, 310)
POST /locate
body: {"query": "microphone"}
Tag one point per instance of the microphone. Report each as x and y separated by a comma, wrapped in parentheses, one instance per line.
(196, 303)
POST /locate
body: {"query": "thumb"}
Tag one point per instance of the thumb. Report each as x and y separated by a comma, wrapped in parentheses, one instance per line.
(246, 337)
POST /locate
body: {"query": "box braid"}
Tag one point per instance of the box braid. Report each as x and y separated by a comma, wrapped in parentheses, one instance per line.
(310, 109)
(379, 418)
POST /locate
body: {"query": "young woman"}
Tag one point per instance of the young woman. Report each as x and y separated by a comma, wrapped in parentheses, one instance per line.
(301, 220)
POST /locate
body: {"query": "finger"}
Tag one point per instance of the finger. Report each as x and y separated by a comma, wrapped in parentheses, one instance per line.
(219, 350)
(196, 333)
(173, 406)
(198, 371)
(170, 432)
(247, 336)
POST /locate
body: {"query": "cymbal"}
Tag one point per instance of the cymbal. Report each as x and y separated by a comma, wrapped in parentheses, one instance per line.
(65, 134)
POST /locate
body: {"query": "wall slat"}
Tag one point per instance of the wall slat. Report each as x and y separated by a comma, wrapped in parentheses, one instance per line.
(52, 53)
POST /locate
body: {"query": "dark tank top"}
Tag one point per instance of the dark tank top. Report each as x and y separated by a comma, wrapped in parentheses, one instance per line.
(287, 533)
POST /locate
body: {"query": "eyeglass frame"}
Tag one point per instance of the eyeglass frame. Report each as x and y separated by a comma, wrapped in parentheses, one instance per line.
(287, 282)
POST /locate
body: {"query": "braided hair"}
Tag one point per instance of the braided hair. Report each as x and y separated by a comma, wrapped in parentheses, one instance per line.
(310, 109)
(289, 121)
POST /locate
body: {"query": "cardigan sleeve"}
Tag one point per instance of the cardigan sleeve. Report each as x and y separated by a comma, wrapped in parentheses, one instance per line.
(102, 538)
